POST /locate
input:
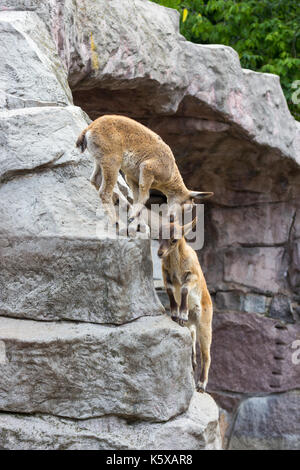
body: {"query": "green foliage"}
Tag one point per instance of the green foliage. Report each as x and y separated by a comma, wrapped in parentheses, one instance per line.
(265, 33)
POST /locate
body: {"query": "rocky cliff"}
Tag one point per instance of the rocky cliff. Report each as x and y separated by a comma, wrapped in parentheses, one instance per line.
(88, 359)
(231, 132)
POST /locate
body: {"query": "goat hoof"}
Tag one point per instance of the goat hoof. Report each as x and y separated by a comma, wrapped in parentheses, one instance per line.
(200, 388)
(174, 318)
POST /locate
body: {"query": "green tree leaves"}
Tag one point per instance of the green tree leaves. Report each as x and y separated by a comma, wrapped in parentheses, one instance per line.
(265, 33)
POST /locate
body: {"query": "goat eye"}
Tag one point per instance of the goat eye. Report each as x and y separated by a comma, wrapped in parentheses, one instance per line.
(173, 241)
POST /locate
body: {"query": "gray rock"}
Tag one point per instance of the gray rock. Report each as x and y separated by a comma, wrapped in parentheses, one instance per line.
(237, 300)
(111, 382)
(229, 128)
(268, 423)
(281, 309)
(90, 280)
(256, 303)
(30, 69)
(232, 300)
(37, 138)
(155, 69)
(54, 248)
(141, 370)
(195, 429)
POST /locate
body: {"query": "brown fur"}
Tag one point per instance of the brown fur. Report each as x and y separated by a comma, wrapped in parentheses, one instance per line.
(190, 301)
(117, 142)
(81, 141)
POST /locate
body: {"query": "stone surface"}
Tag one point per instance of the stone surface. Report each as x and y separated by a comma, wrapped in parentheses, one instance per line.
(52, 239)
(257, 268)
(156, 62)
(229, 128)
(237, 300)
(268, 423)
(90, 280)
(252, 354)
(195, 429)
(31, 71)
(37, 138)
(231, 133)
(280, 308)
(294, 267)
(46, 176)
(85, 370)
(265, 224)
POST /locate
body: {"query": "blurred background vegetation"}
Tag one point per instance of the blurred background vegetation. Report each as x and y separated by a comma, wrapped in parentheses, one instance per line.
(265, 33)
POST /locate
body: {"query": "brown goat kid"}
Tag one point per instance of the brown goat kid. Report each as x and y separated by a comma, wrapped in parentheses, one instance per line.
(190, 301)
(119, 143)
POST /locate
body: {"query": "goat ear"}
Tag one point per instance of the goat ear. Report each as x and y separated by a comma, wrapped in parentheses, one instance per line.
(200, 195)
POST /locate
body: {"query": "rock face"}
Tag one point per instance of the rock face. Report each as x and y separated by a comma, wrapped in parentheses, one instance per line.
(274, 424)
(231, 133)
(87, 359)
(82, 371)
(256, 354)
(82, 279)
(195, 429)
(31, 73)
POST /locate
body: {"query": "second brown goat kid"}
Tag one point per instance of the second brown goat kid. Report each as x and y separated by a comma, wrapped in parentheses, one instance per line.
(190, 301)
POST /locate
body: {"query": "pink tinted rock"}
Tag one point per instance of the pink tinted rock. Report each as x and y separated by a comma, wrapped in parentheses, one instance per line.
(258, 268)
(260, 224)
(253, 354)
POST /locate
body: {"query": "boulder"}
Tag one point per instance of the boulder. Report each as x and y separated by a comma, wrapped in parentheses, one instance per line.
(196, 429)
(138, 371)
(267, 423)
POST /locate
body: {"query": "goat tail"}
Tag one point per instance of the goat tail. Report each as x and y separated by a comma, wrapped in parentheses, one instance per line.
(81, 141)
